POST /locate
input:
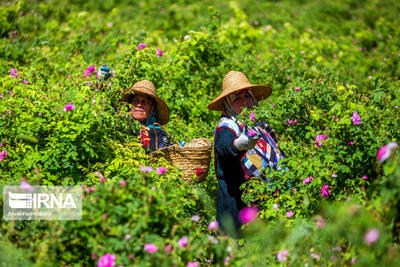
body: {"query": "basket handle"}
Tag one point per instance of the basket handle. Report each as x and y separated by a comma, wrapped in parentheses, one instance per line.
(162, 128)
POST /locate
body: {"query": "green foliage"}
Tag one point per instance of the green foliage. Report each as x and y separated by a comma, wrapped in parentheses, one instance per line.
(342, 55)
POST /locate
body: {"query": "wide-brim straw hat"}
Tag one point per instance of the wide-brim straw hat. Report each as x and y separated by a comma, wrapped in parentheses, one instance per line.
(236, 81)
(147, 88)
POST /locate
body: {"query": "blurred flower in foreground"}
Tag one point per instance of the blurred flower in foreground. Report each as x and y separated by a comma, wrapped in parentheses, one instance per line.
(385, 151)
(289, 214)
(108, 260)
(192, 264)
(248, 215)
(150, 248)
(26, 186)
(141, 46)
(371, 236)
(146, 169)
(195, 218)
(282, 255)
(213, 225)
(161, 170)
(183, 241)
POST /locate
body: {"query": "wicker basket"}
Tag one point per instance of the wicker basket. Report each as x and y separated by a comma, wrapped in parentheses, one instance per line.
(193, 158)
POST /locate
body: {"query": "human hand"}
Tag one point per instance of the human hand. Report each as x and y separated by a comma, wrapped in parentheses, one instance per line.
(244, 142)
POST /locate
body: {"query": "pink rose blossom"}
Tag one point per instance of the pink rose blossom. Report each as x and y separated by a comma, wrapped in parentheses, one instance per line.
(289, 214)
(183, 241)
(102, 179)
(108, 260)
(122, 183)
(318, 140)
(213, 225)
(161, 170)
(192, 264)
(168, 248)
(248, 215)
(308, 180)
(141, 46)
(298, 88)
(127, 237)
(89, 189)
(69, 107)
(355, 118)
(195, 218)
(353, 260)
(24, 81)
(146, 169)
(371, 236)
(252, 116)
(26, 186)
(320, 222)
(351, 143)
(89, 71)
(282, 255)
(3, 154)
(365, 177)
(150, 248)
(159, 53)
(325, 192)
(385, 151)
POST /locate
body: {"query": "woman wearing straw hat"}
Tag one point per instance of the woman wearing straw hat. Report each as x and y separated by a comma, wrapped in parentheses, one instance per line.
(240, 152)
(150, 110)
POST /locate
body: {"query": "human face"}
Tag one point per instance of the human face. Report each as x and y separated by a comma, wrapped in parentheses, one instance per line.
(242, 100)
(142, 107)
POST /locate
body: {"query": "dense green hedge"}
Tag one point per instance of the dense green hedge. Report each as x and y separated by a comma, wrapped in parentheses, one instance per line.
(324, 60)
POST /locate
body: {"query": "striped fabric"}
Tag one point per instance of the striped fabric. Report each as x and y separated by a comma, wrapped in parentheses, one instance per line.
(266, 155)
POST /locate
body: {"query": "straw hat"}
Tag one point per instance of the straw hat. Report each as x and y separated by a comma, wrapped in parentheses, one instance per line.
(236, 81)
(147, 88)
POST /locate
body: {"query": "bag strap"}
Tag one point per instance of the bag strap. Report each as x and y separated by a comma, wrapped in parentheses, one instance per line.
(162, 128)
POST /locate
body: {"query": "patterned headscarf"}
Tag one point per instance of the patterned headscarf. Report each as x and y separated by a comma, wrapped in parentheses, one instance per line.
(229, 110)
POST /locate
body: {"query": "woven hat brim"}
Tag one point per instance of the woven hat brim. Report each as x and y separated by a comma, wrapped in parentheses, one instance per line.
(161, 107)
(260, 92)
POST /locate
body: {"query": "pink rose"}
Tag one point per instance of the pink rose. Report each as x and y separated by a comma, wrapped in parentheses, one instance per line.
(282, 255)
(371, 236)
(108, 260)
(213, 225)
(248, 215)
(355, 118)
(289, 214)
(26, 186)
(325, 192)
(141, 46)
(183, 241)
(161, 170)
(69, 107)
(385, 151)
(150, 248)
